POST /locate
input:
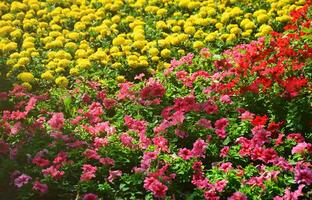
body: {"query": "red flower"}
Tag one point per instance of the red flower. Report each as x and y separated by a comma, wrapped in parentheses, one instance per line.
(259, 120)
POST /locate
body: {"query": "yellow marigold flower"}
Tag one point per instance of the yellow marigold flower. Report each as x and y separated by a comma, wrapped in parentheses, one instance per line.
(47, 75)
(189, 30)
(35, 54)
(23, 61)
(219, 25)
(161, 12)
(10, 46)
(27, 85)
(165, 53)
(181, 52)
(71, 45)
(116, 65)
(211, 37)
(16, 34)
(120, 79)
(155, 58)
(235, 30)
(161, 25)
(225, 17)
(81, 53)
(283, 18)
(249, 25)
(262, 18)
(73, 36)
(119, 41)
(61, 81)
(153, 52)
(59, 70)
(231, 37)
(198, 44)
(25, 76)
(265, 29)
(176, 29)
(247, 33)
(74, 71)
(27, 45)
(83, 63)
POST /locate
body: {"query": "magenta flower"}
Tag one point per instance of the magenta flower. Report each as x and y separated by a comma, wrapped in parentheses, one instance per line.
(88, 172)
(155, 186)
(90, 196)
(22, 180)
(57, 121)
(303, 175)
(238, 196)
(199, 148)
(302, 148)
(43, 188)
(185, 153)
(113, 175)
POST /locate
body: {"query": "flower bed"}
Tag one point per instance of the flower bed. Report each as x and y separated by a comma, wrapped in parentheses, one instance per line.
(51, 42)
(235, 125)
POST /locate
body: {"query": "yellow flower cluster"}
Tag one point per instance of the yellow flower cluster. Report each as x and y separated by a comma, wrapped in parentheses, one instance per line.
(54, 39)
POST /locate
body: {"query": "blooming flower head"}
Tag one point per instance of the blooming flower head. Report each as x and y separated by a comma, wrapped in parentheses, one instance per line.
(57, 121)
(185, 153)
(43, 188)
(90, 196)
(238, 196)
(22, 180)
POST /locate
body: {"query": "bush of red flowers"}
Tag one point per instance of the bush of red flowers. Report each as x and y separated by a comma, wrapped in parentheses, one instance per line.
(230, 126)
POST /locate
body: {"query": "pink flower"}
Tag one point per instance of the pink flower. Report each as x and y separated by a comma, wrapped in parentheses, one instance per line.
(61, 157)
(226, 99)
(221, 133)
(177, 118)
(155, 186)
(57, 121)
(90, 196)
(43, 188)
(205, 123)
(180, 133)
(303, 175)
(31, 104)
(221, 123)
(226, 166)
(288, 195)
(113, 175)
(199, 148)
(220, 185)
(302, 148)
(100, 142)
(185, 153)
(54, 172)
(224, 151)
(40, 161)
(204, 52)
(22, 180)
(107, 161)
(248, 116)
(161, 143)
(125, 91)
(126, 140)
(238, 196)
(88, 172)
(91, 154)
(153, 90)
(211, 195)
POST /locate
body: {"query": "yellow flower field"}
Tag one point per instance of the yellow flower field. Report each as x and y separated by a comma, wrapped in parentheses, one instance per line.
(56, 40)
